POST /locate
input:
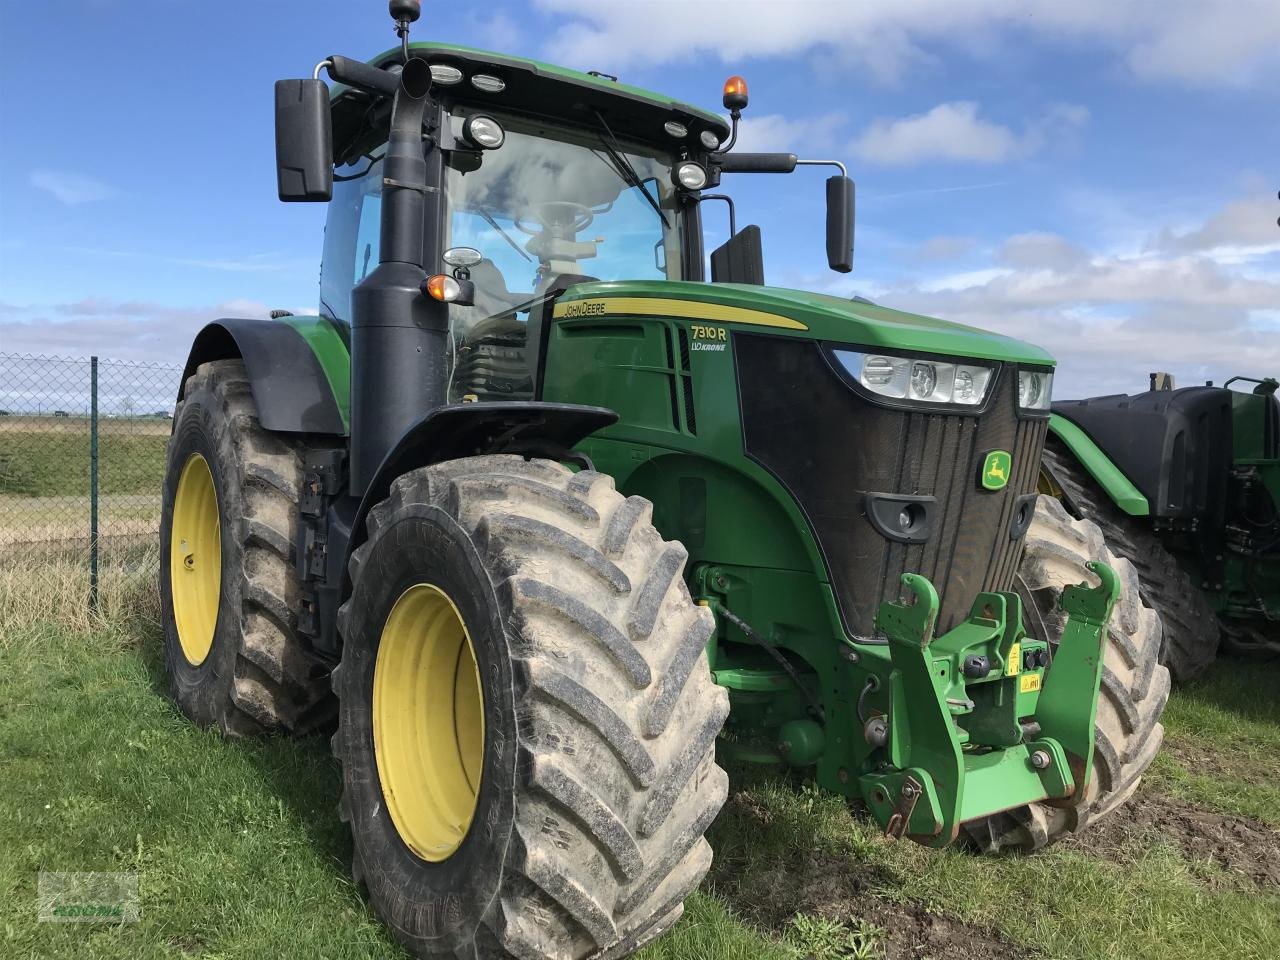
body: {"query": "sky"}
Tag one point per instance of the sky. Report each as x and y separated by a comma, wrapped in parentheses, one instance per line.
(1098, 177)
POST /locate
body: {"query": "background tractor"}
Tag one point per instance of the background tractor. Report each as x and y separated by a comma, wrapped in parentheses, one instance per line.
(1186, 484)
(536, 509)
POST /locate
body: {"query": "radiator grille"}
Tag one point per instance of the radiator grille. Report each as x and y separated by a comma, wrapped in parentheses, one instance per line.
(830, 446)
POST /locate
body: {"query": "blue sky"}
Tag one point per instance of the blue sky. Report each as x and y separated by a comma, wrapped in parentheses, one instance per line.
(1097, 177)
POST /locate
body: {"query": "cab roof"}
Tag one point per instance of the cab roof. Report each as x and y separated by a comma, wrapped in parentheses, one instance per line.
(538, 88)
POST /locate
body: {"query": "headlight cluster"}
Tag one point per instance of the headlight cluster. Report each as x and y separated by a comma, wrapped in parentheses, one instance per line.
(908, 378)
(1035, 389)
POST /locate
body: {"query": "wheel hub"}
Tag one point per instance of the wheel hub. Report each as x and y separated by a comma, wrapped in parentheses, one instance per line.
(428, 722)
(195, 559)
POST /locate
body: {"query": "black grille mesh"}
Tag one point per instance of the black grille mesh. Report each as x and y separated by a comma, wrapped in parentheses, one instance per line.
(830, 447)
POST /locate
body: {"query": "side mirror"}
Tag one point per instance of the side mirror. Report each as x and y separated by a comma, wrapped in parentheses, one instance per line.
(740, 259)
(304, 141)
(840, 224)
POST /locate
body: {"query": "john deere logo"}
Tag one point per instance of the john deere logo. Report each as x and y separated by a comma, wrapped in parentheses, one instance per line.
(996, 467)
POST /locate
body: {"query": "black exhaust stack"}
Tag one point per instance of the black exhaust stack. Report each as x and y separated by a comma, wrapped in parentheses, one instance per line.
(399, 338)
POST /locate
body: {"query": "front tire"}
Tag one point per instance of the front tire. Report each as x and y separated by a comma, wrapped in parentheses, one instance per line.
(1133, 694)
(228, 589)
(571, 822)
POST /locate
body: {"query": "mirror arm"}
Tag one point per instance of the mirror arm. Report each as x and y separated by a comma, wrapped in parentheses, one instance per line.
(824, 163)
(733, 224)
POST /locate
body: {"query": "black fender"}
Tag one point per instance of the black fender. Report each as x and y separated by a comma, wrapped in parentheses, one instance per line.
(289, 386)
(528, 427)
(531, 428)
(1174, 445)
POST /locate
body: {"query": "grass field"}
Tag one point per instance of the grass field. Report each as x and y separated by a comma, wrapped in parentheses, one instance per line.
(240, 854)
(44, 478)
(42, 458)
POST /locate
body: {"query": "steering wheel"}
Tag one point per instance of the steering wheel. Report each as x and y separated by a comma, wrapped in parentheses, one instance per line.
(559, 218)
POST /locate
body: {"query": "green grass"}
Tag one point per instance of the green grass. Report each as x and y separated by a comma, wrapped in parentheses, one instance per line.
(240, 853)
(1223, 734)
(54, 463)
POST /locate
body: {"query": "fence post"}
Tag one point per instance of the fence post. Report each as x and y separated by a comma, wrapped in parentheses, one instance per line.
(93, 484)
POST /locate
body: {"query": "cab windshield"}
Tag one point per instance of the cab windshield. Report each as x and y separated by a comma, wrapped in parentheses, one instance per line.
(550, 202)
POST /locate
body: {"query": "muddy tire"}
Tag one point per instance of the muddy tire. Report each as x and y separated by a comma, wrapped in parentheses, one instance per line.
(1191, 630)
(595, 779)
(238, 665)
(1135, 686)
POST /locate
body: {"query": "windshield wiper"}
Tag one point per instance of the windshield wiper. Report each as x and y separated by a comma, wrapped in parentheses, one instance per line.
(487, 217)
(624, 168)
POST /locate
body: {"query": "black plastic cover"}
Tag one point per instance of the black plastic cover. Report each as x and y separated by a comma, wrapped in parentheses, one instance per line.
(840, 224)
(1175, 445)
(756, 162)
(740, 259)
(530, 428)
(832, 461)
(355, 73)
(304, 141)
(289, 386)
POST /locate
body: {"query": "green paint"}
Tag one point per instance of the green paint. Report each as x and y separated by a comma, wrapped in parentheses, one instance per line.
(997, 468)
(834, 319)
(452, 51)
(326, 341)
(1118, 487)
(1077, 667)
(958, 739)
(933, 783)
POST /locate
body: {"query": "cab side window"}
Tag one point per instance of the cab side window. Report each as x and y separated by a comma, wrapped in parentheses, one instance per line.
(351, 236)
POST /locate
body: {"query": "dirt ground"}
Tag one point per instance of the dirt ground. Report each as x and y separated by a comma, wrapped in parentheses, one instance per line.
(1246, 849)
(836, 888)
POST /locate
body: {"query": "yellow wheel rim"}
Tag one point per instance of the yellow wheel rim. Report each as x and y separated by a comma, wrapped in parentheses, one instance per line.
(428, 722)
(1046, 484)
(195, 559)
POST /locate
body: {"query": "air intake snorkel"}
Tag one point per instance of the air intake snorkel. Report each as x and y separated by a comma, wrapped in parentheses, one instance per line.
(399, 338)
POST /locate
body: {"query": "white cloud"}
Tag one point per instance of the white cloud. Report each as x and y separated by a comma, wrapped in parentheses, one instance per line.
(774, 131)
(121, 330)
(945, 247)
(71, 189)
(1110, 316)
(1193, 41)
(954, 132)
(1244, 228)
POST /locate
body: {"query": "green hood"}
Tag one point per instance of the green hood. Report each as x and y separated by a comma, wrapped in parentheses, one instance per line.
(821, 317)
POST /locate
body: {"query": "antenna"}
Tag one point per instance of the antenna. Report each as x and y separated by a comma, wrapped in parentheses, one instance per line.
(404, 12)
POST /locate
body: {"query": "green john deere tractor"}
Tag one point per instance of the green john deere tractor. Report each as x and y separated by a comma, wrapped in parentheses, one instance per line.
(542, 515)
(1185, 483)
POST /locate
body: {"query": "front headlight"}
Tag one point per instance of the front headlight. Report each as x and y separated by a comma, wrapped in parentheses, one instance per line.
(1035, 389)
(929, 381)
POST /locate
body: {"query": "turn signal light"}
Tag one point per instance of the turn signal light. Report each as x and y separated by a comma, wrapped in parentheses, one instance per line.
(735, 93)
(447, 289)
(442, 287)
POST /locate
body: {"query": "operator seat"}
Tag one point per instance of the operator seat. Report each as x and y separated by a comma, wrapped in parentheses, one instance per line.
(492, 296)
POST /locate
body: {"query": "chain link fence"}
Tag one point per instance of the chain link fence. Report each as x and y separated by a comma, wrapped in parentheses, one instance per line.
(82, 456)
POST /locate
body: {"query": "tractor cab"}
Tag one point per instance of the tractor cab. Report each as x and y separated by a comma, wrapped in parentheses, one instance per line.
(544, 177)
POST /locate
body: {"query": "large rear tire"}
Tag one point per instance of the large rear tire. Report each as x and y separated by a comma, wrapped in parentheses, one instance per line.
(561, 814)
(1191, 629)
(1135, 687)
(228, 588)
